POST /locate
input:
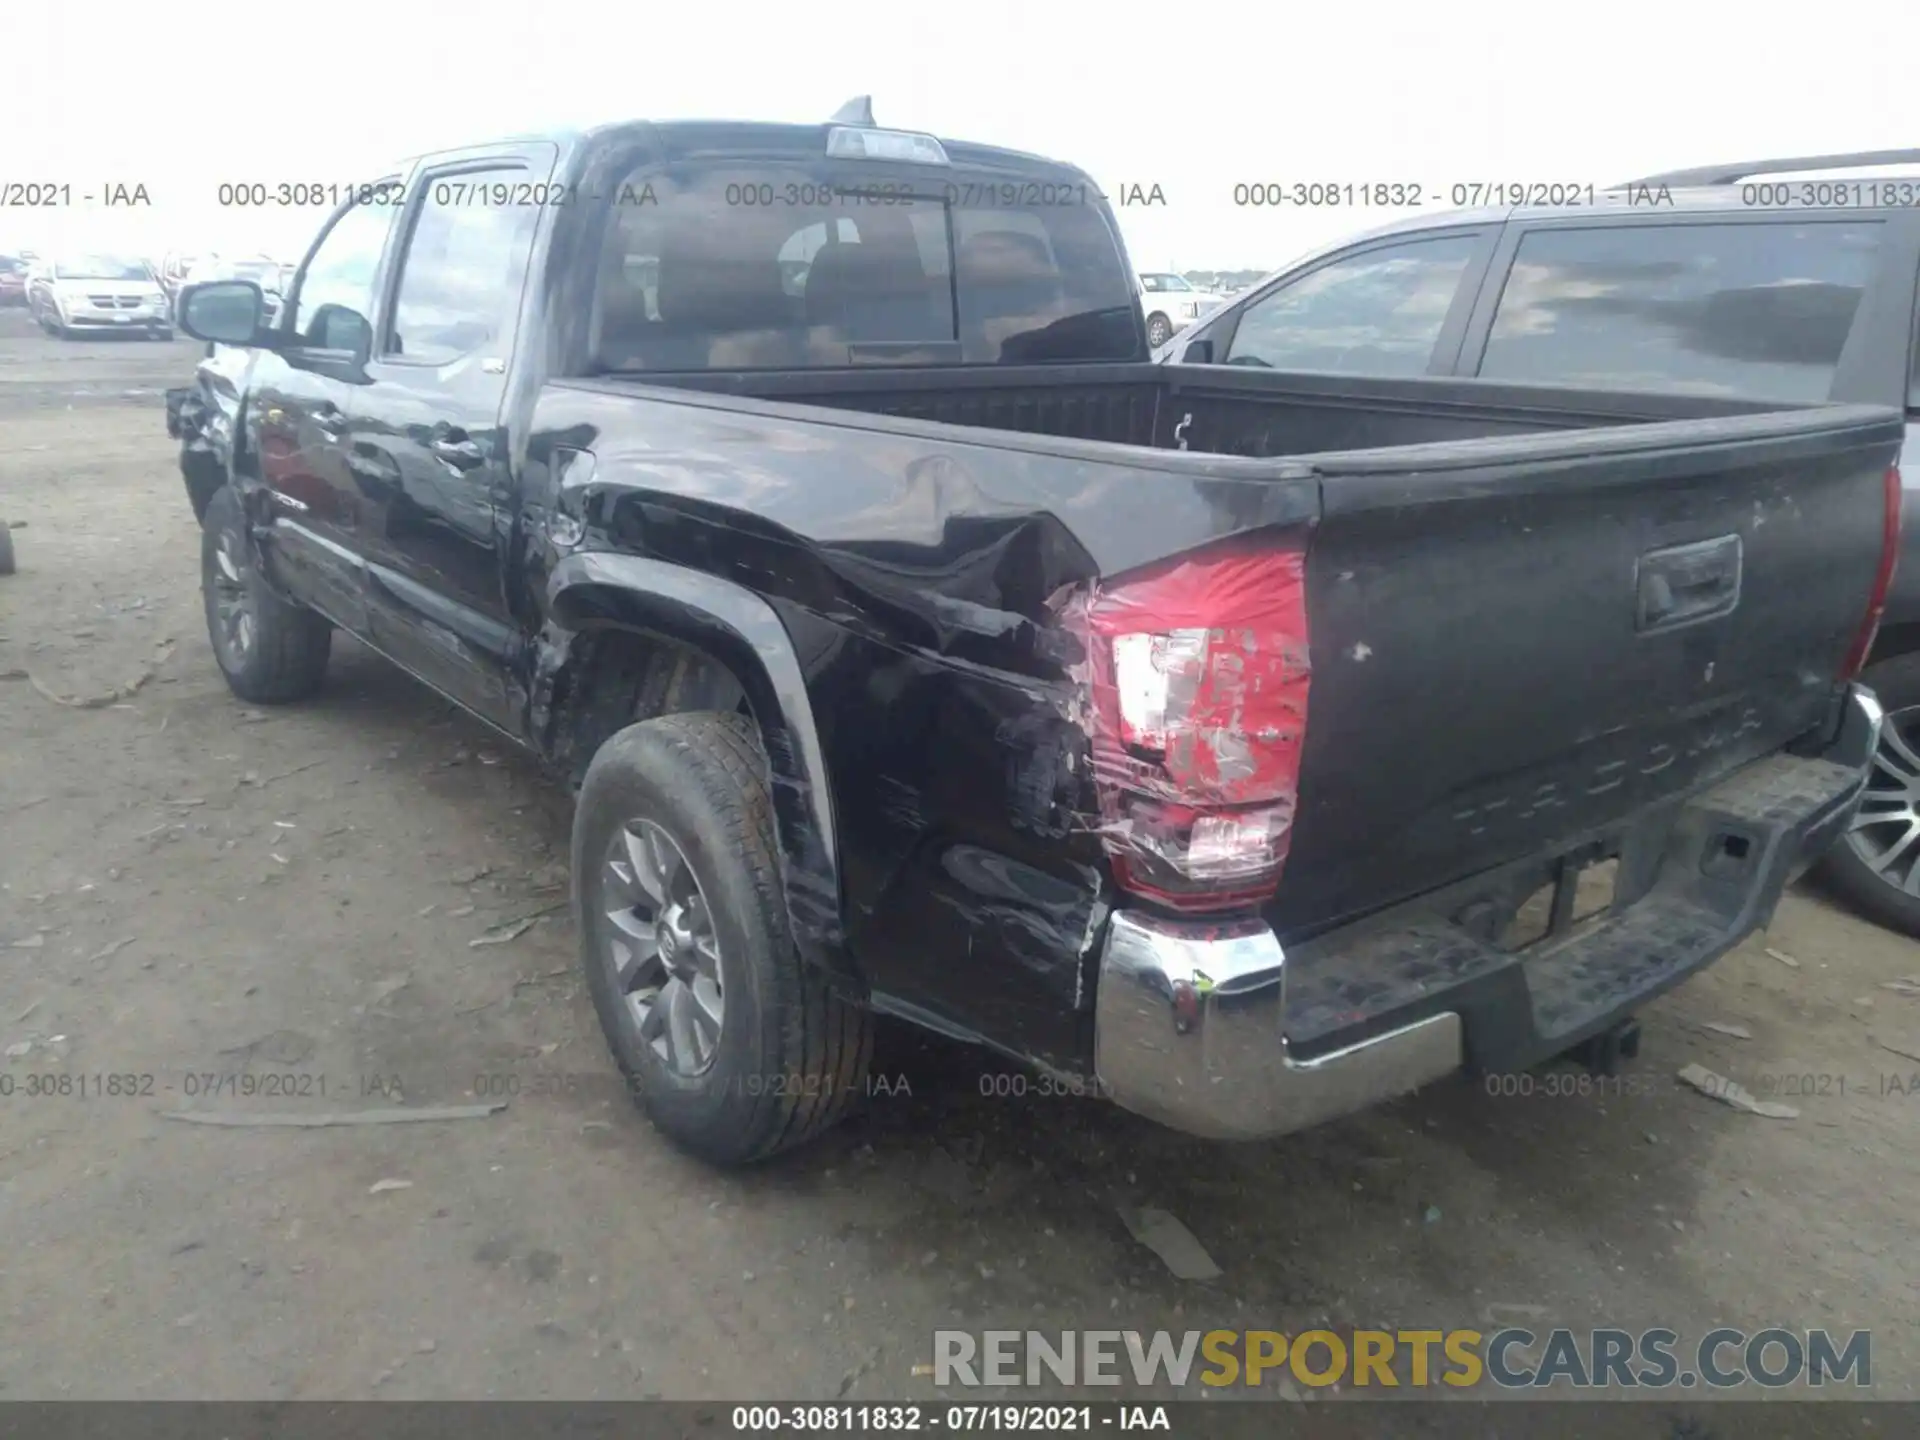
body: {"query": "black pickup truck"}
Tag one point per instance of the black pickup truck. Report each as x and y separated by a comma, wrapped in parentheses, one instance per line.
(1247, 747)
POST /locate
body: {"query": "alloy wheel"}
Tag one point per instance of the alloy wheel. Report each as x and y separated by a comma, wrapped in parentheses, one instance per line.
(236, 626)
(1885, 835)
(660, 950)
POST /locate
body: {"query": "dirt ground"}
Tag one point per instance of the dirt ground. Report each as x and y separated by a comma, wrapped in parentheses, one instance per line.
(213, 900)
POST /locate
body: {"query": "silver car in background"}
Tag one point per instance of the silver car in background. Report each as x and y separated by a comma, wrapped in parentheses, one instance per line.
(73, 294)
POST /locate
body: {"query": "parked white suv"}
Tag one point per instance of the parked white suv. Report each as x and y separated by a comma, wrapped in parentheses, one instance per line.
(98, 292)
(1171, 304)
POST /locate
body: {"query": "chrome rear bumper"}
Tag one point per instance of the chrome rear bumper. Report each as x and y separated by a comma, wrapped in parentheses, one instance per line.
(1188, 1029)
(1860, 729)
(1190, 1018)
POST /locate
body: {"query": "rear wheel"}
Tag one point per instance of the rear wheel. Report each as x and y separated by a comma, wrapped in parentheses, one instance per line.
(271, 651)
(728, 1040)
(1877, 865)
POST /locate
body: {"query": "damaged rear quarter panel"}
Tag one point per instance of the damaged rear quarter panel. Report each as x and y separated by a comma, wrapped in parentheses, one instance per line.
(921, 578)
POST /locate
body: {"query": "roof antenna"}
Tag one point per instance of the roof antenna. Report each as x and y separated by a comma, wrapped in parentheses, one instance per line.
(857, 111)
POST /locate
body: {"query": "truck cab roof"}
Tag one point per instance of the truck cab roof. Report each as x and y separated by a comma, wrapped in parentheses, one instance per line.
(686, 139)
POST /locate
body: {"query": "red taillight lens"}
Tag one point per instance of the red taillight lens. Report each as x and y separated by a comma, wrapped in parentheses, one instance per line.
(1882, 581)
(1198, 675)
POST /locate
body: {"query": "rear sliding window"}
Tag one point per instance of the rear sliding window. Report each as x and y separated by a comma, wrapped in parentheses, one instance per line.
(770, 267)
(1752, 310)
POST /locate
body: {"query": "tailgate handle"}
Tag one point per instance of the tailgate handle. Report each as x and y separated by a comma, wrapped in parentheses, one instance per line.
(1688, 583)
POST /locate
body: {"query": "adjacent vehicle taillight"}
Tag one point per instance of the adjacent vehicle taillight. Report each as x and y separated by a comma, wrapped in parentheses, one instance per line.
(1882, 580)
(1198, 674)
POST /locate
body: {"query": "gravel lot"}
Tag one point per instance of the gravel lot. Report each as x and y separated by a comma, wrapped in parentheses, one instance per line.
(222, 902)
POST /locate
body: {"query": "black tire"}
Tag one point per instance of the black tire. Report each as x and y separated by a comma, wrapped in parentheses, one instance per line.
(6, 549)
(204, 481)
(791, 1054)
(1882, 899)
(1159, 331)
(285, 657)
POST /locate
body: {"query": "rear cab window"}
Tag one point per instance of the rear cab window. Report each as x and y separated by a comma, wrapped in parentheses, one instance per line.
(797, 263)
(1754, 310)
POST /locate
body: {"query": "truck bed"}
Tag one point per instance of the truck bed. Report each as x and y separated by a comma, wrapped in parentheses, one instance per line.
(1489, 685)
(1246, 412)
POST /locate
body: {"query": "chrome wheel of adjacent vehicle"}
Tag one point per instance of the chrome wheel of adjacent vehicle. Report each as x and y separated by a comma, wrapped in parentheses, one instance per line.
(232, 602)
(1159, 331)
(1886, 833)
(660, 951)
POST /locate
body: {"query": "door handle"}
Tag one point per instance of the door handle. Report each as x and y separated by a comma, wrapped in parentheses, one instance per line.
(462, 453)
(1685, 583)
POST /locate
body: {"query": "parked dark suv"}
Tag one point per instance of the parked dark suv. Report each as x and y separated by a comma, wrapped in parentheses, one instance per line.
(1723, 280)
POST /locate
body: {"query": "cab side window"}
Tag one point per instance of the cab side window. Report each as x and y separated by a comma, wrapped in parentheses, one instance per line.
(1375, 313)
(333, 308)
(1913, 381)
(464, 268)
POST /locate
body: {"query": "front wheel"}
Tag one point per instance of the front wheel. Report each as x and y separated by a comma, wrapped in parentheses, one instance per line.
(1159, 331)
(1877, 864)
(204, 481)
(270, 650)
(728, 1040)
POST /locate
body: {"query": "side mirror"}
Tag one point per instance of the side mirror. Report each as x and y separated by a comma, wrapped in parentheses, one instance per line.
(223, 312)
(341, 327)
(1198, 352)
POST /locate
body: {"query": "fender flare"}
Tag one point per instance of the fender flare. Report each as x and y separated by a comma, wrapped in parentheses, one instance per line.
(589, 590)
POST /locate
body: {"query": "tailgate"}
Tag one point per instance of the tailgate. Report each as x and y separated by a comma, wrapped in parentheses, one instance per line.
(1518, 643)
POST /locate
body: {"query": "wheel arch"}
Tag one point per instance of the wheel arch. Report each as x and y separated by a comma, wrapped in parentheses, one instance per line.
(1894, 641)
(592, 597)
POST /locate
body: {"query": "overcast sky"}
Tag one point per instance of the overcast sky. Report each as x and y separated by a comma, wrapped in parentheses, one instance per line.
(1193, 98)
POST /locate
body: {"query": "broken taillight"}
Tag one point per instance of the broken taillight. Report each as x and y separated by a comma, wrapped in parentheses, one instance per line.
(1882, 580)
(1198, 674)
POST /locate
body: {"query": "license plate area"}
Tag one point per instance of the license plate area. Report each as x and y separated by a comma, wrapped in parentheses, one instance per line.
(1549, 902)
